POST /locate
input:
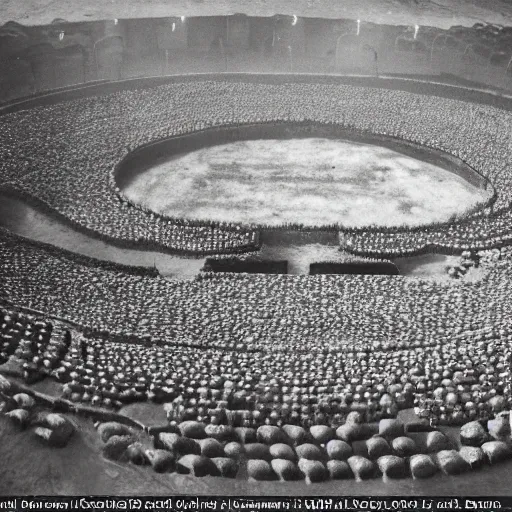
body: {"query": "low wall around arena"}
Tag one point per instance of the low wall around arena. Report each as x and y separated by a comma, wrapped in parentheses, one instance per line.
(355, 268)
(245, 266)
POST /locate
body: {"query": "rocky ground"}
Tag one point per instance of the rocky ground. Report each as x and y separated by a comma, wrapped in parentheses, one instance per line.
(440, 13)
(30, 466)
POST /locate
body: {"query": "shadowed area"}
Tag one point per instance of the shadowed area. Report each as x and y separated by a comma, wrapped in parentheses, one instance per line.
(312, 181)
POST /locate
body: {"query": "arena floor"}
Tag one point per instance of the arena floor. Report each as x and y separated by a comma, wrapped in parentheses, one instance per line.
(312, 182)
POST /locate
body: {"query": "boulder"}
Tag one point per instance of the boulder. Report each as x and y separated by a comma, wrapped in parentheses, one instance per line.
(257, 451)
(496, 451)
(499, 428)
(196, 465)
(295, 433)
(313, 470)
(391, 428)
(62, 427)
(286, 470)
(310, 451)
(192, 429)
(354, 417)
(161, 461)
(113, 428)
(422, 466)
(473, 434)
(377, 447)
(234, 450)
(116, 447)
(451, 462)
(20, 417)
(473, 455)
(221, 433)
(497, 403)
(362, 467)
(226, 467)
(282, 451)
(322, 434)
(24, 401)
(338, 450)
(270, 434)
(56, 430)
(404, 446)
(177, 445)
(5, 385)
(437, 441)
(258, 469)
(392, 466)
(48, 436)
(350, 432)
(136, 454)
(339, 470)
(211, 448)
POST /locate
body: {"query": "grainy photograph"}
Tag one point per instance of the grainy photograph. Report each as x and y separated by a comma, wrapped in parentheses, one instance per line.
(256, 248)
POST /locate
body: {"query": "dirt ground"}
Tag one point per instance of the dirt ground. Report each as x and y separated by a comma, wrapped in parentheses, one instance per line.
(308, 181)
(440, 13)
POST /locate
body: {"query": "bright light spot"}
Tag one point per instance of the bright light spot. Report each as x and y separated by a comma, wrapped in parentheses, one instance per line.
(173, 27)
(183, 18)
(61, 36)
(416, 28)
(295, 19)
(358, 26)
(116, 21)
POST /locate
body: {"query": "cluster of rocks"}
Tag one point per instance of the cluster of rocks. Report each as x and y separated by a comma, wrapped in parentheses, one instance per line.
(167, 451)
(356, 450)
(54, 430)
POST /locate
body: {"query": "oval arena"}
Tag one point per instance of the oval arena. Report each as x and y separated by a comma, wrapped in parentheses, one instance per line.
(321, 373)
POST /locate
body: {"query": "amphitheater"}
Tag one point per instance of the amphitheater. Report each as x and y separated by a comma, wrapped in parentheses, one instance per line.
(240, 382)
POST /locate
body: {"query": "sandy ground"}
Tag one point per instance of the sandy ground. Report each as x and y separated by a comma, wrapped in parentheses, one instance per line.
(36, 225)
(313, 182)
(441, 13)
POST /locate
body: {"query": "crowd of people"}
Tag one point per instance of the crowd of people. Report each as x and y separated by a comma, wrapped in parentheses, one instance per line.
(373, 343)
(38, 344)
(305, 349)
(65, 154)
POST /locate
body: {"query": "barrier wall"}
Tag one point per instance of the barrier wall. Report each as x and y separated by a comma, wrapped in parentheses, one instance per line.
(39, 58)
(238, 266)
(357, 267)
